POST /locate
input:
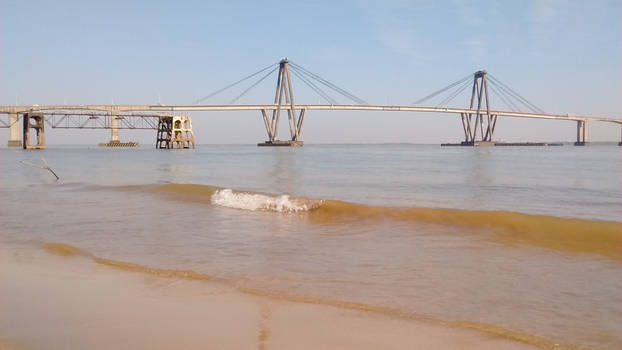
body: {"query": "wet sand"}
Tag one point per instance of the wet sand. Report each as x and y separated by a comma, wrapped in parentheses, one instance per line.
(56, 302)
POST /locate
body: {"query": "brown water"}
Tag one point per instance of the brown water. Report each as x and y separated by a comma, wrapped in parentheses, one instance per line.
(408, 231)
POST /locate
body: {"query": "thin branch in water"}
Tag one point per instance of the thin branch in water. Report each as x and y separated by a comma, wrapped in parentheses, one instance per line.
(44, 166)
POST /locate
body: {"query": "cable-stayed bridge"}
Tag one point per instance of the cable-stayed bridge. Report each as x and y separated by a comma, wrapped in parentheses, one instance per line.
(478, 119)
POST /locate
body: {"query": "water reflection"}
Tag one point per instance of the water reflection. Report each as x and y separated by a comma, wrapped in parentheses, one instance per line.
(285, 169)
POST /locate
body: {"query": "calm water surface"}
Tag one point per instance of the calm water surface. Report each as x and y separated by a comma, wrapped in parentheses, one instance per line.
(455, 271)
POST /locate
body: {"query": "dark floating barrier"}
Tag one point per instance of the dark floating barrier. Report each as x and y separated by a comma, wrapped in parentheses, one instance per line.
(119, 144)
(478, 144)
(277, 143)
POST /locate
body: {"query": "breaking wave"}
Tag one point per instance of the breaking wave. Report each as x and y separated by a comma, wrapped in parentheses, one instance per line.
(254, 201)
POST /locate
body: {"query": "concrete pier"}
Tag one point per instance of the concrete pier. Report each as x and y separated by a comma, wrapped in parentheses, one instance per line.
(114, 134)
(36, 122)
(114, 128)
(175, 132)
(581, 133)
(14, 140)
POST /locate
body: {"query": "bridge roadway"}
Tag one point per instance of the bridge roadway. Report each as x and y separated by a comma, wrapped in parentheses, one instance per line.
(309, 107)
(470, 129)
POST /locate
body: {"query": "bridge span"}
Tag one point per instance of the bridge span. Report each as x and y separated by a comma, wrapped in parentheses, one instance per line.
(478, 120)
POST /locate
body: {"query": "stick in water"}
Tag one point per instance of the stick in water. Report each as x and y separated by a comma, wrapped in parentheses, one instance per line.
(44, 166)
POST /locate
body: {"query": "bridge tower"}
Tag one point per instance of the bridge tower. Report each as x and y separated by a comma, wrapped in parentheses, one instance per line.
(284, 99)
(479, 127)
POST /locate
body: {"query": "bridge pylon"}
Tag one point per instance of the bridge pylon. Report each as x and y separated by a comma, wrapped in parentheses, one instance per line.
(284, 99)
(479, 127)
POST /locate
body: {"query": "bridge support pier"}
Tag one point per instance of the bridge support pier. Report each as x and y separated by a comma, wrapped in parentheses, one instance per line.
(620, 143)
(33, 121)
(114, 128)
(114, 133)
(283, 88)
(175, 132)
(14, 140)
(581, 133)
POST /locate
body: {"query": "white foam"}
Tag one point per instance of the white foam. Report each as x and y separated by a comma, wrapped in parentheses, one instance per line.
(253, 201)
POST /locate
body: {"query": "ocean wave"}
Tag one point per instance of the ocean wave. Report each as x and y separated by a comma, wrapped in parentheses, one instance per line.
(507, 227)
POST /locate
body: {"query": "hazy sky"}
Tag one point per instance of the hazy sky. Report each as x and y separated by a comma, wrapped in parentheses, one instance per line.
(564, 56)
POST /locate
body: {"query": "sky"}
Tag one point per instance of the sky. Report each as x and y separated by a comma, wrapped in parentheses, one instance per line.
(563, 56)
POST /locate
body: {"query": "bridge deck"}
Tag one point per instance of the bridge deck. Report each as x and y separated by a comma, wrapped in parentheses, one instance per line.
(391, 108)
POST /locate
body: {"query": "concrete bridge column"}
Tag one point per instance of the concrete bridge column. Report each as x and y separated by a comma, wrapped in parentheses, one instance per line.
(14, 140)
(620, 143)
(33, 121)
(581, 133)
(114, 128)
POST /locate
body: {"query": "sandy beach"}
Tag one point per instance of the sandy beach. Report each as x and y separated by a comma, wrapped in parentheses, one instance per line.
(71, 302)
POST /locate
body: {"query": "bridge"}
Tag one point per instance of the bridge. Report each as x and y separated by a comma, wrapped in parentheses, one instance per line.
(479, 120)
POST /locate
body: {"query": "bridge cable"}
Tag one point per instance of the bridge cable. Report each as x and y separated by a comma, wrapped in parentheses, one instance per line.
(233, 84)
(330, 85)
(453, 95)
(516, 94)
(500, 95)
(327, 83)
(504, 98)
(442, 90)
(252, 86)
(308, 80)
(314, 87)
(511, 97)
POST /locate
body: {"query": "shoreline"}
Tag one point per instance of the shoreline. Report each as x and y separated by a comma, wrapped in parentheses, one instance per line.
(55, 301)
